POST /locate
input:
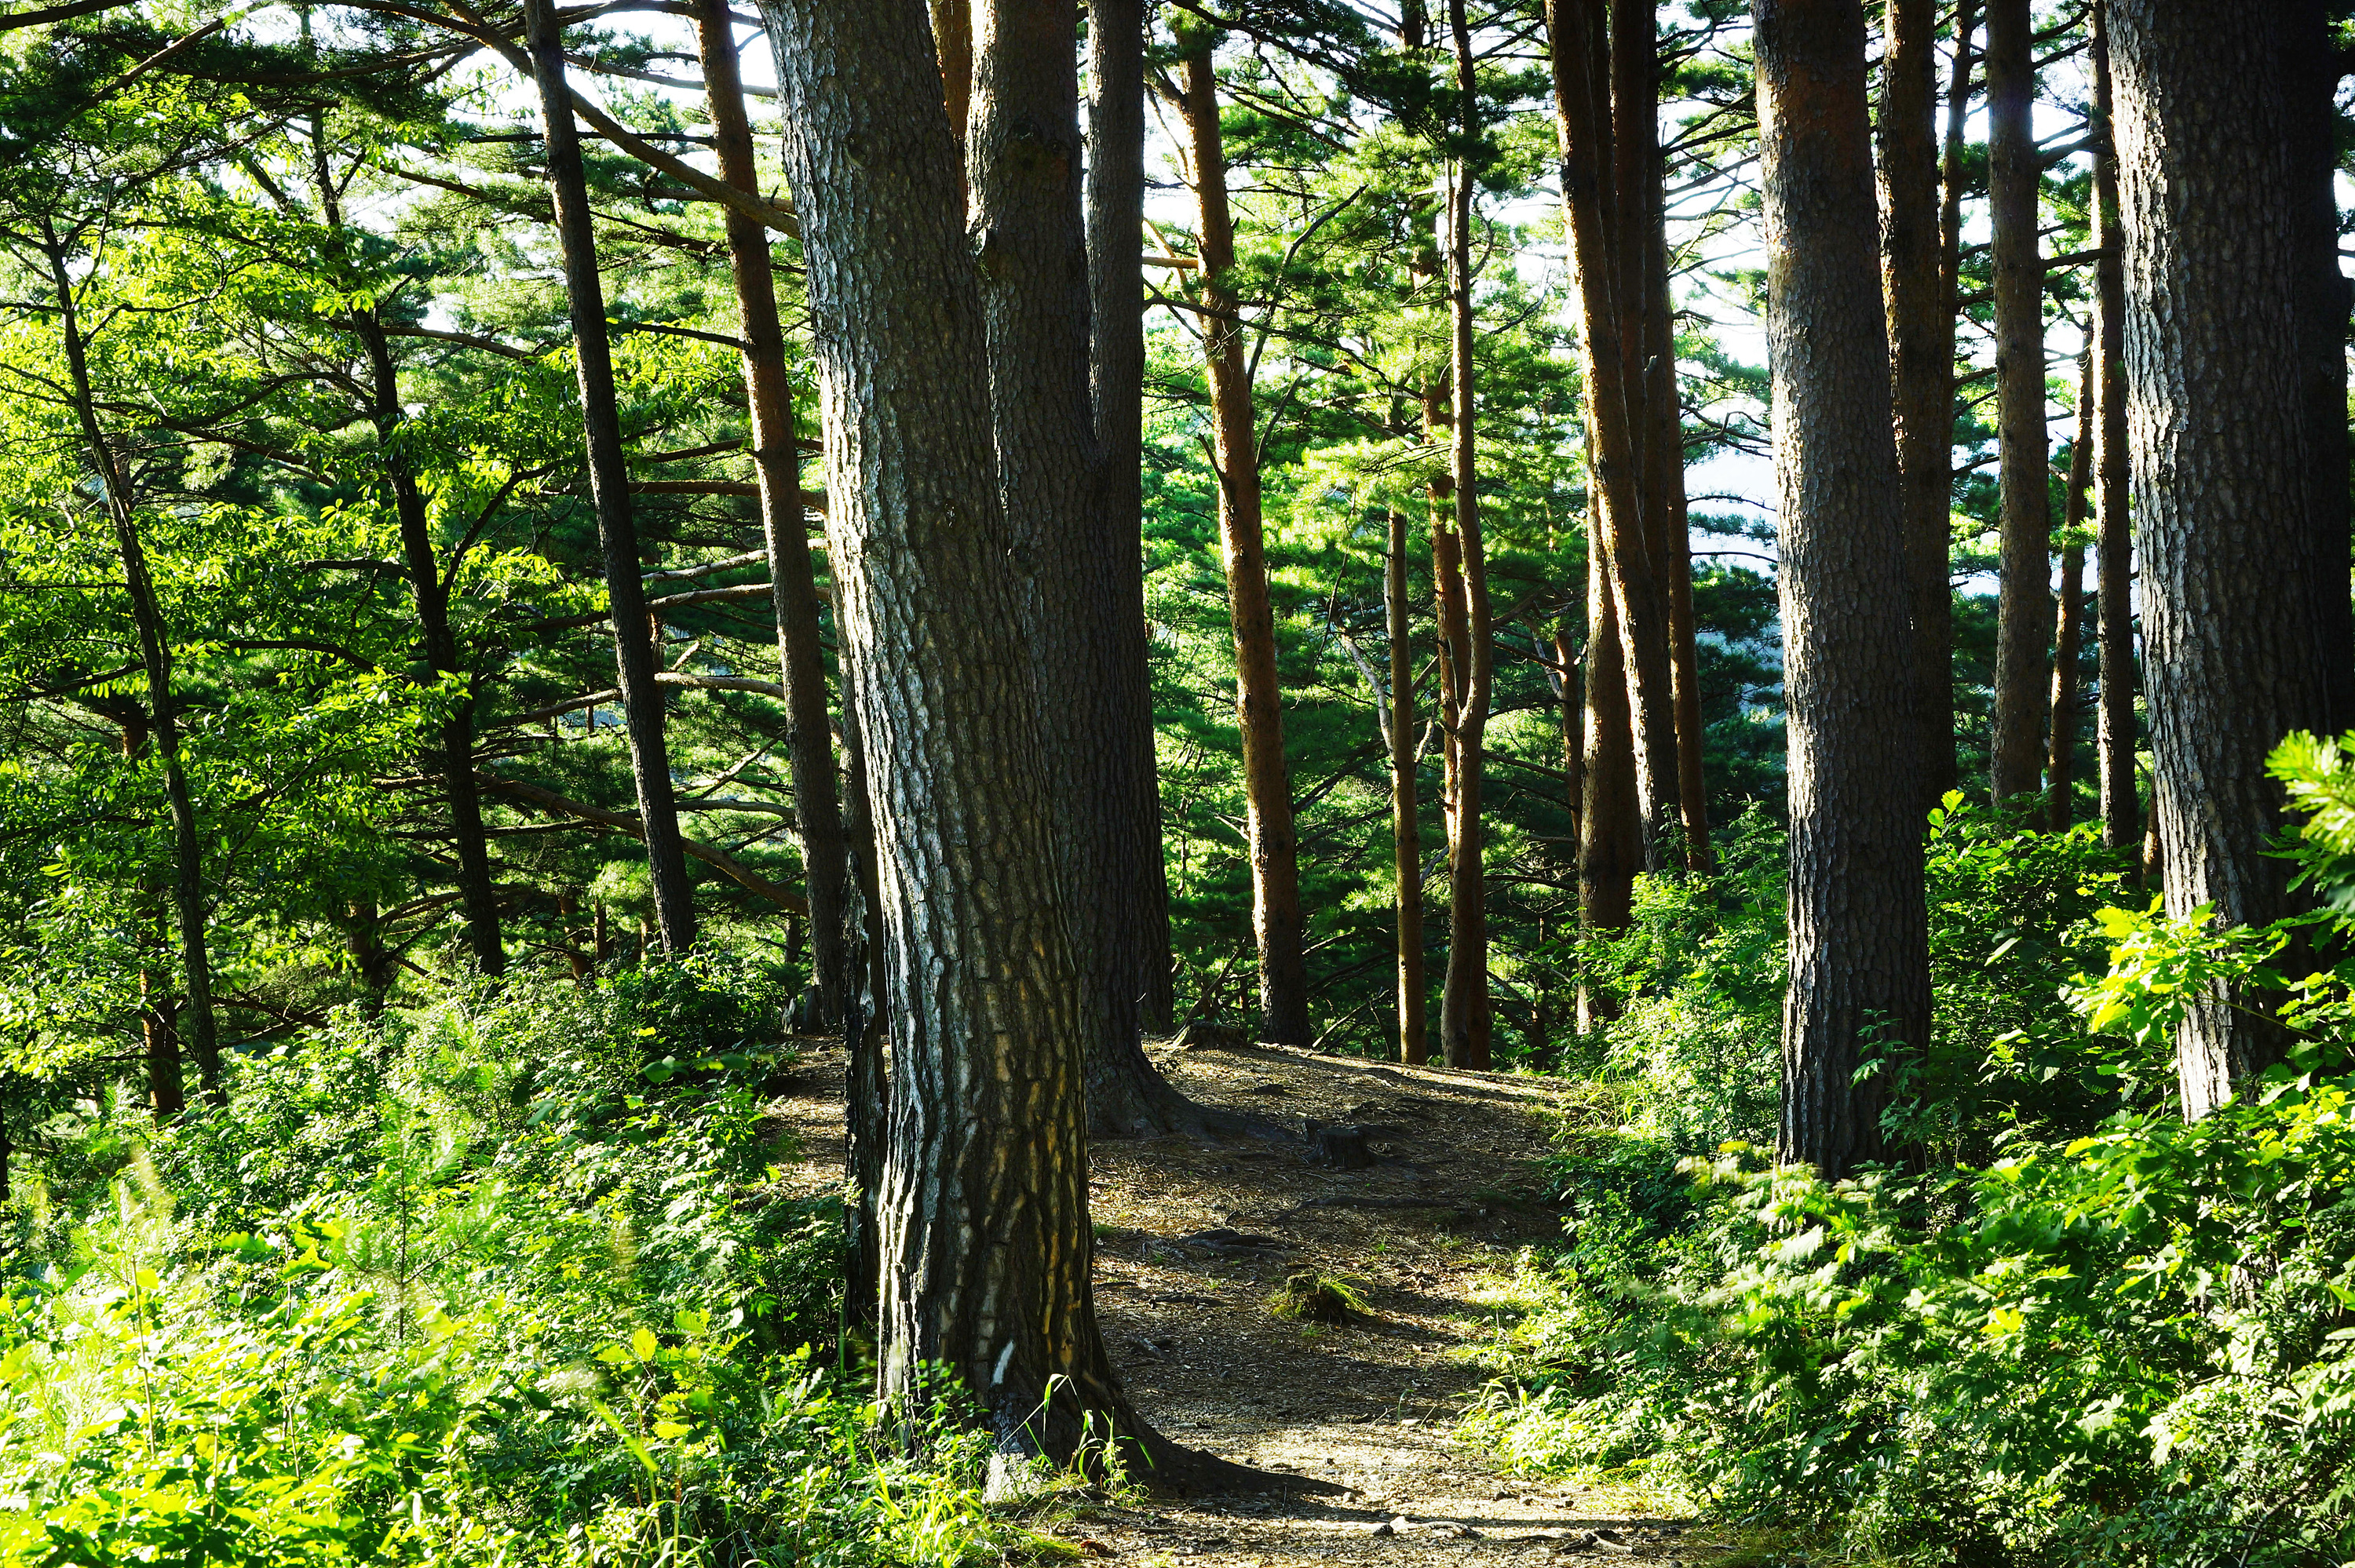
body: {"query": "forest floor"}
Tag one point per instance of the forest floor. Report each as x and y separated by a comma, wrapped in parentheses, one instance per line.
(1194, 1236)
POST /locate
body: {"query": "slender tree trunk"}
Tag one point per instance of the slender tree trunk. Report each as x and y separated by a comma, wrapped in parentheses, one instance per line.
(1259, 711)
(609, 487)
(1859, 931)
(2068, 633)
(1934, 603)
(1921, 359)
(155, 662)
(1610, 832)
(985, 1245)
(776, 463)
(1579, 51)
(2313, 67)
(1135, 882)
(1406, 823)
(953, 47)
(2024, 605)
(2114, 547)
(2209, 196)
(1571, 690)
(1466, 1021)
(159, 1035)
(866, 1027)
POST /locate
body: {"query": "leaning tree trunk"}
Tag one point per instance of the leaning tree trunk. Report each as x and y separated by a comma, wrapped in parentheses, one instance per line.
(1406, 823)
(2113, 543)
(2069, 624)
(155, 664)
(1579, 51)
(609, 486)
(1135, 882)
(1921, 362)
(776, 464)
(2024, 604)
(2222, 442)
(985, 1245)
(1259, 695)
(1858, 933)
(1464, 1019)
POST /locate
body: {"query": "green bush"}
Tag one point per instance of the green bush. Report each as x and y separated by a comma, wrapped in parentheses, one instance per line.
(508, 1279)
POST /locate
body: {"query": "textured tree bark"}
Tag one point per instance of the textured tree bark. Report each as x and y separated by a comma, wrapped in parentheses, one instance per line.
(1859, 940)
(609, 486)
(866, 1032)
(1610, 832)
(2023, 614)
(1579, 51)
(155, 664)
(1023, 175)
(1466, 1021)
(2113, 545)
(2069, 625)
(1259, 711)
(1136, 882)
(1921, 361)
(2312, 68)
(776, 465)
(2222, 444)
(1406, 823)
(986, 1242)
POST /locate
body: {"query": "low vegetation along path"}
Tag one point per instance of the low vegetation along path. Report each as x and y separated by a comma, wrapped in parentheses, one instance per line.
(1194, 1236)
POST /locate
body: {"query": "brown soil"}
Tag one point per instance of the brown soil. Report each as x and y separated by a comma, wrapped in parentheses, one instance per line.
(1194, 1236)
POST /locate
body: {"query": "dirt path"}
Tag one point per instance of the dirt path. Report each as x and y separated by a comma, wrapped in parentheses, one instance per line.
(1193, 1237)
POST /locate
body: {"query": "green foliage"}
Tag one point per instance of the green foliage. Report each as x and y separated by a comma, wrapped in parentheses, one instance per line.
(467, 1286)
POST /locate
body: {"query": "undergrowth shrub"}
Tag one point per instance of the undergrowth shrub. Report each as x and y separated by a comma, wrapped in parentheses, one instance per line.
(2088, 1334)
(512, 1278)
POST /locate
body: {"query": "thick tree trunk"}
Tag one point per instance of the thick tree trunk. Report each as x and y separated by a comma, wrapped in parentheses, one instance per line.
(1859, 940)
(1579, 45)
(1023, 173)
(776, 463)
(2312, 68)
(2069, 623)
(2024, 606)
(609, 486)
(1135, 882)
(163, 715)
(1466, 1021)
(1610, 832)
(2223, 443)
(1406, 823)
(986, 1245)
(1267, 785)
(1921, 362)
(2113, 545)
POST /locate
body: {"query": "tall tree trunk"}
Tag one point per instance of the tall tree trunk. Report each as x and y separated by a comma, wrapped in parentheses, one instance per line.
(1023, 173)
(2114, 546)
(1406, 823)
(2024, 605)
(1466, 1021)
(1933, 604)
(2223, 443)
(1135, 882)
(2312, 68)
(1663, 459)
(155, 664)
(1921, 362)
(609, 486)
(1610, 832)
(2068, 633)
(1259, 711)
(1859, 930)
(776, 463)
(1579, 49)
(865, 1026)
(986, 1245)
